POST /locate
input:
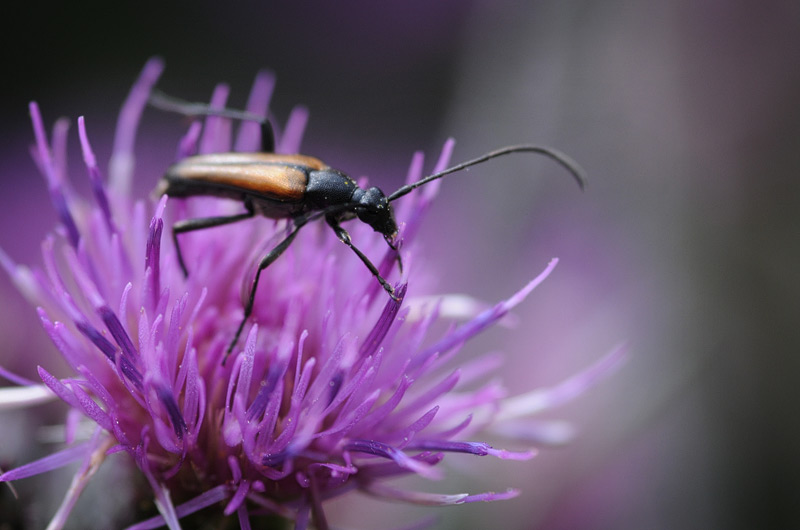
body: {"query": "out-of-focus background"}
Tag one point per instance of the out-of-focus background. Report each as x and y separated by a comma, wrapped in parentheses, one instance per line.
(685, 114)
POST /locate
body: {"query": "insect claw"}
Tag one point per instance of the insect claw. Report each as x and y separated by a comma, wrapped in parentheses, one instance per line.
(392, 295)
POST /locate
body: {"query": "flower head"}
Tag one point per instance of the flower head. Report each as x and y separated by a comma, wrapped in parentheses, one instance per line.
(334, 386)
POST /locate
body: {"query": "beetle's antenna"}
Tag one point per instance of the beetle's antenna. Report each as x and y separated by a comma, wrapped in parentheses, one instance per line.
(568, 163)
(167, 103)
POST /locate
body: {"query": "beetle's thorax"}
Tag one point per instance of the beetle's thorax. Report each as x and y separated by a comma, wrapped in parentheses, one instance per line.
(329, 187)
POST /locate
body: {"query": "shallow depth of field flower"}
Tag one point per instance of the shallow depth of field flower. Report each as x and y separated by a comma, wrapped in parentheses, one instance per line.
(333, 386)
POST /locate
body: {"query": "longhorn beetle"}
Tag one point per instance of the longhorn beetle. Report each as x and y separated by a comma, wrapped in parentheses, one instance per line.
(297, 187)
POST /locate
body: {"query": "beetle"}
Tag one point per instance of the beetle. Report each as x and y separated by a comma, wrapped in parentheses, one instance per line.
(297, 187)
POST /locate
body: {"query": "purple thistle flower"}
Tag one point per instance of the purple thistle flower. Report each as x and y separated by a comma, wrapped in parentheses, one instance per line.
(335, 387)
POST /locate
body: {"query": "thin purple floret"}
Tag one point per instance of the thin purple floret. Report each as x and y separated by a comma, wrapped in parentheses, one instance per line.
(385, 322)
(117, 331)
(96, 179)
(49, 463)
(174, 413)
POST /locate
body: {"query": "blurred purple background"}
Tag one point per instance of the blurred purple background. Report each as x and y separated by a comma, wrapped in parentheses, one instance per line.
(686, 116)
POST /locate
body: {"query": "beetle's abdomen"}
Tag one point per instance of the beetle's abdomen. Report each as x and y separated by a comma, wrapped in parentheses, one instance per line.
(281, 178)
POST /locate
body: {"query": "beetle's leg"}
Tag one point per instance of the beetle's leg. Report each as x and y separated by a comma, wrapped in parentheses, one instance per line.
(394, 246)
(172, 104)
(267, 137)
(344, 237)
(190, 225)
(265, 262)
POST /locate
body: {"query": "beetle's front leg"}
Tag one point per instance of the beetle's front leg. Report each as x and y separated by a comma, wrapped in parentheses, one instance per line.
(396, 247)
(344, 237)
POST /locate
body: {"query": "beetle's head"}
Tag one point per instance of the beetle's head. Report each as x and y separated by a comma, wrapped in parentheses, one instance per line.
(375, 210)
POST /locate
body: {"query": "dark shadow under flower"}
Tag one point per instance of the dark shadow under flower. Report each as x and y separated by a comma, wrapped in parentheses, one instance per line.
(336, 388)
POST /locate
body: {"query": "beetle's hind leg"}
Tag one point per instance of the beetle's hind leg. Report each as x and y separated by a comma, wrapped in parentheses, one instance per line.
(162, 101)
(190, 225)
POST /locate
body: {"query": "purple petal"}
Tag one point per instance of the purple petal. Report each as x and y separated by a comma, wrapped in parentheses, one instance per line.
(50, 462)
(415, 212)
(409, 432)
(173, 411)
(152, 260)
(334, 386)
(205, 499)
(345, 423)
(473, 448)
(14, 378)
(449, 433)
(491, 496)
(194, 398)
(316, 505)
(303, 517)
(265, 393)
(379, 414)
(59, 135)
(92, 409)
(381, 327)
(163, 501)
(97, 338)
(80, 480)
(188, 144)
(100, 391)
(98, 188)
(249, 135)
(243, 515)
(117, 331)
(427, 397)
(547, 398)
(356, 382)
(110, 351)
(290, 141)
(55, 185)
(216, 133)
(553, 433)
(73, 350)
(121, 164)
(380, 489)
(376, 448)
(22, 277)
(390, 469)
(58, 388)
(335, 468)
(238, 498)
(482, 321)
(321, 384)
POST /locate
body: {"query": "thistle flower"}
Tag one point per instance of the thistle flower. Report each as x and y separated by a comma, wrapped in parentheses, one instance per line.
(335, 387)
